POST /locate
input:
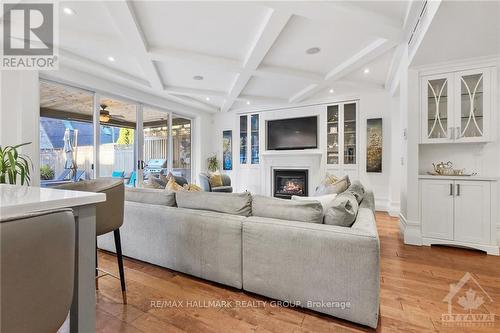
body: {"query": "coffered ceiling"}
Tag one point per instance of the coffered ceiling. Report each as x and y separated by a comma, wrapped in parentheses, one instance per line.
(223, 56)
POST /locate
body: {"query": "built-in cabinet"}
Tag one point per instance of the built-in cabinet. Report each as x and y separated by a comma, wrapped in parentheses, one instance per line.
(342, 138)
(249, 139)
(457, 211)
(457, 106)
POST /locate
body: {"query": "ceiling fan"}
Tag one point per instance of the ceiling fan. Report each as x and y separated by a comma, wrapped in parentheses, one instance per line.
(105, 116)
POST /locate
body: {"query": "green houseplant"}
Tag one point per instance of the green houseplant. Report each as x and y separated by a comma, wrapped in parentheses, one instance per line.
(14, 166)
(213, 163)
(46, 173)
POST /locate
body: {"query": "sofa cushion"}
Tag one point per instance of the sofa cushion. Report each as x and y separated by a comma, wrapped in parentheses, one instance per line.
(292, 210)
(229, 203)
(344, 210)
(338, 187)
(150, 196)
(227, 189)
(358, 190)
(326, 200)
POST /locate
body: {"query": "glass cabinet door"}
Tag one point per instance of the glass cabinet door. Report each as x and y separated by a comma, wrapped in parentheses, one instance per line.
(350, 133)
(437, 108)
(332, 127)
(243, 139)
(254, 123)
(472, 105)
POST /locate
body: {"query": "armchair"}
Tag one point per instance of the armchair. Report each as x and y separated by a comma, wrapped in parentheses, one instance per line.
(207, 187)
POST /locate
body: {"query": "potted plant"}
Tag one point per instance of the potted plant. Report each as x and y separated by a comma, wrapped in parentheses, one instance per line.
(213, 163)
(46, 173)
(14, 166)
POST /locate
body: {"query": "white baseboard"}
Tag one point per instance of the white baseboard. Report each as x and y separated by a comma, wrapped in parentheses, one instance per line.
(394, 208)
(410, 231)
(385, 205)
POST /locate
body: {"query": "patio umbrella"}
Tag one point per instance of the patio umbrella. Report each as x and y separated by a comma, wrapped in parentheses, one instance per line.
(68, 150)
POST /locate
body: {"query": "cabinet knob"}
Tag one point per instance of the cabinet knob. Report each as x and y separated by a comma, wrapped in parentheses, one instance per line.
(451, 189)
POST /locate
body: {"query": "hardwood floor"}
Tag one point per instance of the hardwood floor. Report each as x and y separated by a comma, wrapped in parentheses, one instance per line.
(414, 281)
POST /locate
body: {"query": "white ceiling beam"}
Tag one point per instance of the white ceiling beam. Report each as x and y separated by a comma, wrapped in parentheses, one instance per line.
(271, 28)
(206, 60)
(330, 12)
(284, 72)
(125, 21)
(73, 60)
(181, 91)
(361, 58)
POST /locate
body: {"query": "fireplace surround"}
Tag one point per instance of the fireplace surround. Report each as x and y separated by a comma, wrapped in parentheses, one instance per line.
(289, 182)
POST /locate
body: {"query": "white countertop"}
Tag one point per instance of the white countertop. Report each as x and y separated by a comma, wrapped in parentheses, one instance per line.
(491, 179)
(15, 199)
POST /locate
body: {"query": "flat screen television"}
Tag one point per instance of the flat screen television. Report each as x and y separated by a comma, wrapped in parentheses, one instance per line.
(294, 133)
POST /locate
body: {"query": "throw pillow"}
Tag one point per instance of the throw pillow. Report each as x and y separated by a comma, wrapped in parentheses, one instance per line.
(153, 182)
(164, 178)
(215, 179)
(192, 188)
(291, 210)
(358, 190)
(330, 179)
(326, 200)
(338, 187)
(173, 186)
(344, 210)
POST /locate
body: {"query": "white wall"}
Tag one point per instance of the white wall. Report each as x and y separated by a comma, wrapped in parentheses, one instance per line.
(19, 114)
(371, 105)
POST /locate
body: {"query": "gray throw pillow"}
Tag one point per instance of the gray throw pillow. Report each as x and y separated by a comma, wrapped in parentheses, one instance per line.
(358, 190)
(150, 196)
(344, 210)
(291, 210)
(340, 186)
(229, 203)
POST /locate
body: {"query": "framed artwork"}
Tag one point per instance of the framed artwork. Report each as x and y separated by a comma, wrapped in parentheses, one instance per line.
(374, 145)
(227, 150)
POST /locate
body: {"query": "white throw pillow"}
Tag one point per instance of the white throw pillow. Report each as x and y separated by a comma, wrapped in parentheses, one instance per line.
(326, 200)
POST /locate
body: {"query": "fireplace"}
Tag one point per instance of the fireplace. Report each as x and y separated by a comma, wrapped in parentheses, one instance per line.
(290, 182)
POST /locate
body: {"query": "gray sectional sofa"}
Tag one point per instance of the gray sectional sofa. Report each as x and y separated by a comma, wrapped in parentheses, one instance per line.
(218, 237)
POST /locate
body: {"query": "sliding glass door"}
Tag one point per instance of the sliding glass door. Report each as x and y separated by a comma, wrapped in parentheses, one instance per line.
(83, 133)
(66, 134)
(155, 143)
(181, 147)
(117, 137)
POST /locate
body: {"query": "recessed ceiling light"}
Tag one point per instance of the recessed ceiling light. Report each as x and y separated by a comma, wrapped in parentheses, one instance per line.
(366, 71)
(248, 102)
(112, 59)
(198, 77)
(313, 50)
(331, 91)
(207, 98)
(68, 11)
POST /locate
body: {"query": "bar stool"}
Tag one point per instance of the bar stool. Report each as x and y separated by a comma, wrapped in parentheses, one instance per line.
(109, 217)
(37, 260)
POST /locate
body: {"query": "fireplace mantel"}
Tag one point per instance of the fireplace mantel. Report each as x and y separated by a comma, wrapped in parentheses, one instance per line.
(308, 159)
